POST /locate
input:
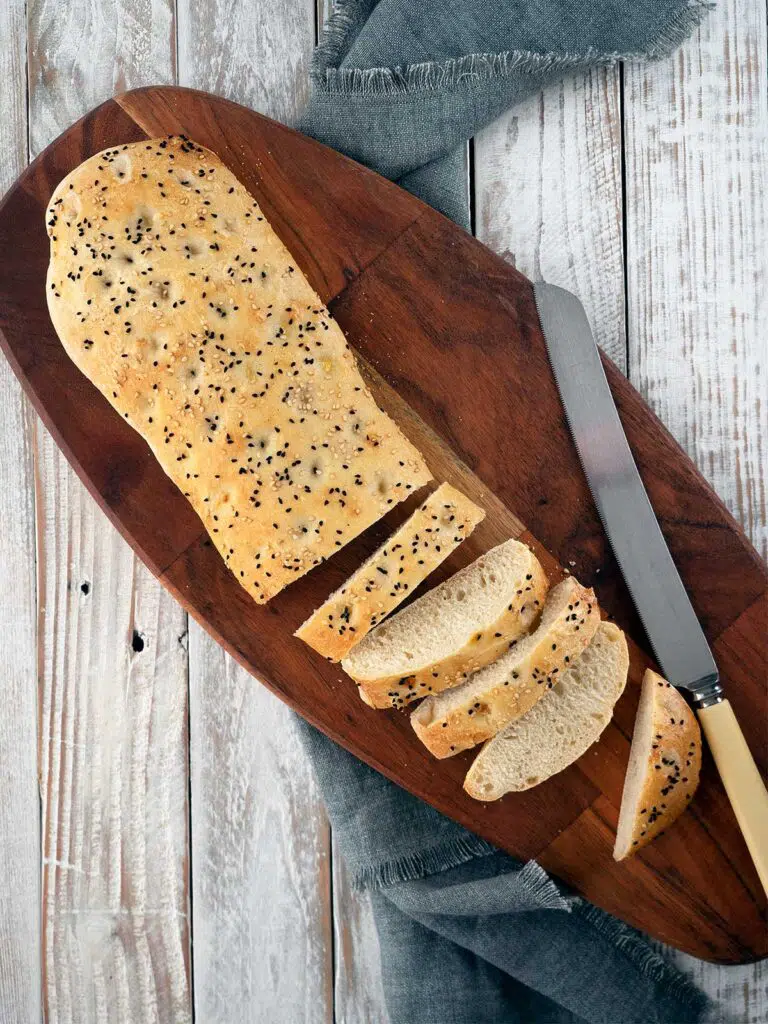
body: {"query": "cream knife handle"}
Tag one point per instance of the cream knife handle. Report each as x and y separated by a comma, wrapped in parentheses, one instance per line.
(745, 789)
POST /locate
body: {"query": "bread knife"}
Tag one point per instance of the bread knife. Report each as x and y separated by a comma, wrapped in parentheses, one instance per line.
(664, 607)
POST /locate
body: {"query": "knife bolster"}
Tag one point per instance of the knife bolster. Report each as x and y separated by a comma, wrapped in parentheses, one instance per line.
(707, 691)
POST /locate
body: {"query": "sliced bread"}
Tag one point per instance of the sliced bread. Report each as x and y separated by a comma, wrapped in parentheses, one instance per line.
(434, 530)
(451, 631)
(501, 692)
(557, 730)
(664, 765)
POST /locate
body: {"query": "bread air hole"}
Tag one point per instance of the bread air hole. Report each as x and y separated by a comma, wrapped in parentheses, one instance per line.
(532, 780)
(461, 595)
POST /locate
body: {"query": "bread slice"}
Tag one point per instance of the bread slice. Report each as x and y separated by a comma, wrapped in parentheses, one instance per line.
(172, 293)
(664, 766)
(501, 692)
(557, 730)
(448, 633)
(434, 530)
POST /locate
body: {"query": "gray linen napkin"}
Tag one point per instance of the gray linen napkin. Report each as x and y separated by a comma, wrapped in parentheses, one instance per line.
(469, 935)
(400, 85)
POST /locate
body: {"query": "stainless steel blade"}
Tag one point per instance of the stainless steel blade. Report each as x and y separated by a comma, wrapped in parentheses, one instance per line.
(633, 530)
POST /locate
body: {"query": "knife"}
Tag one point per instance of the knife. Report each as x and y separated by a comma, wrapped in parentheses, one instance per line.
(664, 607)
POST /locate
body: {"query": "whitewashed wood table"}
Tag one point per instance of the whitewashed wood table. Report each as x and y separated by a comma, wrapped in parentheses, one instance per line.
(164, 853)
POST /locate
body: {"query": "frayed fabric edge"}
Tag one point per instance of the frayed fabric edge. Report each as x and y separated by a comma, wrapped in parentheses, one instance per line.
(345, 23)
(539, 888)
(648, 963)
(425, 862)
(339, 33)
(542, 889)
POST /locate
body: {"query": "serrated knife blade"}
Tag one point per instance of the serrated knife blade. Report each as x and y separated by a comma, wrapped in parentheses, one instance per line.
(673, 629)
(658, 592)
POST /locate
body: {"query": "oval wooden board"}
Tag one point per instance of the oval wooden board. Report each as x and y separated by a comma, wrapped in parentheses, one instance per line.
(449, 338)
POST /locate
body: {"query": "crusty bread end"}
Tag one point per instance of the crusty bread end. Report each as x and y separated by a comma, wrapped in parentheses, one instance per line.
(175, 297)
(664, 765)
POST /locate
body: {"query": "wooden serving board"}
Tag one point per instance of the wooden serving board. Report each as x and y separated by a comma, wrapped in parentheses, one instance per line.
(449, 338)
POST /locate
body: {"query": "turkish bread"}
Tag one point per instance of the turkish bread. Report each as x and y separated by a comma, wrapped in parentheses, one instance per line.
(175, 297)
(500, 693)
(664, 765)
(560, 727)
(450, 632)
(436, 528)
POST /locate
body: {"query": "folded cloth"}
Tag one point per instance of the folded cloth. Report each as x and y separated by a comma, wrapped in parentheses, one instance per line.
(468, 934)
(400, 85)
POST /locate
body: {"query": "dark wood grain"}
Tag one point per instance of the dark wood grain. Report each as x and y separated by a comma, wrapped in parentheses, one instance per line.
(450, 341)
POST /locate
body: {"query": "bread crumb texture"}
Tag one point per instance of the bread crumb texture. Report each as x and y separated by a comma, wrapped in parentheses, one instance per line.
(476, 710)
(560, 727)
(452, 631)
(172, 293)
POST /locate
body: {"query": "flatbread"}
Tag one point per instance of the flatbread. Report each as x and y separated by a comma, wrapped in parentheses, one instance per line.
(172, 293)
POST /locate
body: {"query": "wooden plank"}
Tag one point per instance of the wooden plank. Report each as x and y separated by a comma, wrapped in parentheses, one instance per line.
(113, 770)
(740, 993)
(85, 52)
(358, 989)
(697, 219)
(530, 197)
(19, 806)
(255, 53)
(113, 737)
(260, 854)
(548, 194)
(697, 173)
(260, 838)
